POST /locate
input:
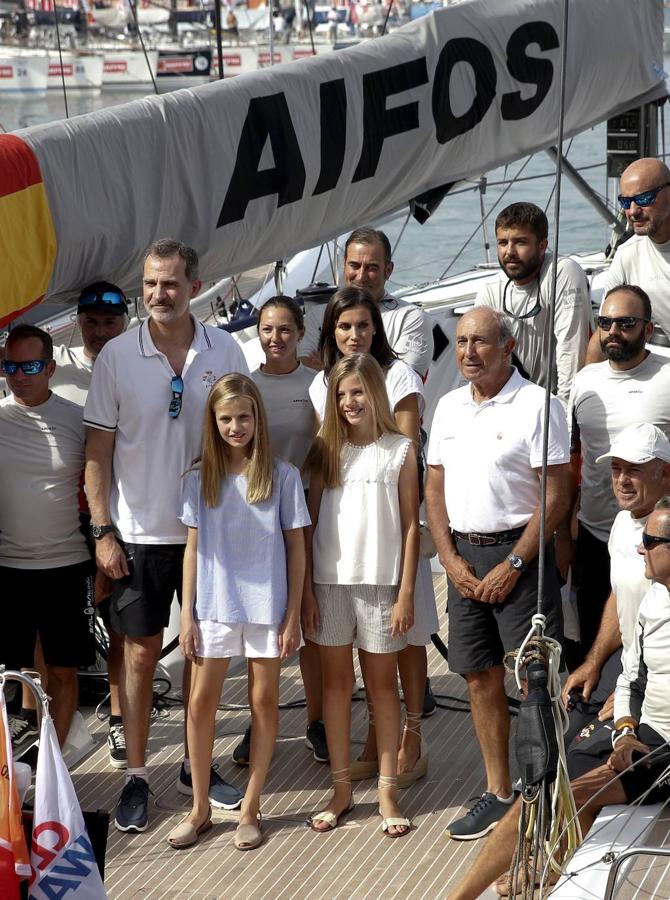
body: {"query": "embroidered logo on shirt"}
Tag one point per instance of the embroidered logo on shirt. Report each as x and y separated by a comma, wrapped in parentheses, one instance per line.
(208, 378)
(500, 435)
(50, 429)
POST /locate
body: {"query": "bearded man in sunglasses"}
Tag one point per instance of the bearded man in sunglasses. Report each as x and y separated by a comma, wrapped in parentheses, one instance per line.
(45, 566)
(632, 385)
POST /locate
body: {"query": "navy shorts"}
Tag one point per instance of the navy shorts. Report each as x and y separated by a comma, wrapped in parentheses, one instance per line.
(140, 603)
(481, 633)
(593, 748)
(57, 605)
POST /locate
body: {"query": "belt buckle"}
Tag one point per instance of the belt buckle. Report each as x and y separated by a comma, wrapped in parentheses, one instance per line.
(474, 539)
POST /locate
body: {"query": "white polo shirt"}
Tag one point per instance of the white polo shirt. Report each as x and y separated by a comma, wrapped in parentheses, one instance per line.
(627, 572)
(72, 377)
(42, 462)
(489, 451)
(130, 395)
(603, 402)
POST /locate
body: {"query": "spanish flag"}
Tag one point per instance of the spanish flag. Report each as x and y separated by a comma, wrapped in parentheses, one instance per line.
(27, 234)
(14, 859)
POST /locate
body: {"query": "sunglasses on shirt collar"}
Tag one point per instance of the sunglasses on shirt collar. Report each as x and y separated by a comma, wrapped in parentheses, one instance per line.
(29, 367)
(177, 387)
(644, 198)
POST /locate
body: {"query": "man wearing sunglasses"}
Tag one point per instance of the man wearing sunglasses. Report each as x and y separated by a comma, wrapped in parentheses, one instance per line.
(632, 385)
(634, 765)
(45, 566)
(644, 259)
(639, 461)
(522, 293)
(144, 414)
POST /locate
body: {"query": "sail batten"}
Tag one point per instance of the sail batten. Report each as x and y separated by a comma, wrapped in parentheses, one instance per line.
(255, 168)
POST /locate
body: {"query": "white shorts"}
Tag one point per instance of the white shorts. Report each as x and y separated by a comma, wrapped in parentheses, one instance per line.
(220, 641)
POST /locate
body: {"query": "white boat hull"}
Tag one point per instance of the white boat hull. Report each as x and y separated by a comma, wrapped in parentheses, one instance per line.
(242, 60)
(19, 75)
(128, 68)
(78, 72)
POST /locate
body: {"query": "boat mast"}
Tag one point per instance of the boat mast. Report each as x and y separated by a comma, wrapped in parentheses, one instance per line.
(586, 190)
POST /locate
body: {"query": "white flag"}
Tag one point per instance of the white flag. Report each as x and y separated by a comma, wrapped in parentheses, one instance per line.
(61, 857)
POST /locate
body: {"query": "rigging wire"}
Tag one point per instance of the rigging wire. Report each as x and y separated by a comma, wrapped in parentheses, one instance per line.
(60, 57)
(309, 25)
(386, 19)
(133, 9)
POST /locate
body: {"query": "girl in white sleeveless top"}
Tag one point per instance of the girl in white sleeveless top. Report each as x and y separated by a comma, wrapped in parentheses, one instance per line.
(362, 553)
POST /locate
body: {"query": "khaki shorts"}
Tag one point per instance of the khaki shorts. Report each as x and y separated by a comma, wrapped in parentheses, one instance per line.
(358, 613)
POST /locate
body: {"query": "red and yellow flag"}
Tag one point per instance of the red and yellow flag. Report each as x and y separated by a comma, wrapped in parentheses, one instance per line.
(27, 234)
(14, 859)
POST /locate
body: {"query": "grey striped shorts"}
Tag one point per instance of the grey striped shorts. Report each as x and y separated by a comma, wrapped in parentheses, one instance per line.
(360, 613)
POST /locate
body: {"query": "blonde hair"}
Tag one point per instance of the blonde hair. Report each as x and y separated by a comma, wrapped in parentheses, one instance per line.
(324, 455)
(214, 462)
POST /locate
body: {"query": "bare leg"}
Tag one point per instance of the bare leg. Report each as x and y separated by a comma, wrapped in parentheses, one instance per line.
(491, 720)
(310, 668)
(186, 694)
(264, 701)
(64, 693)
(207, 682)
(413, 668)
(369, 752)
(382, 686)
(497, 853)
(114, 667)
(140, 656)
(338, 682)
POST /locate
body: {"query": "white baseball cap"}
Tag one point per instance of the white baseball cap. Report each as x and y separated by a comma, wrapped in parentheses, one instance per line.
(639, 444)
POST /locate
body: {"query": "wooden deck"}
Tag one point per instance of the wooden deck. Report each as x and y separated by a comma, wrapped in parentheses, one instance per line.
(356, 861)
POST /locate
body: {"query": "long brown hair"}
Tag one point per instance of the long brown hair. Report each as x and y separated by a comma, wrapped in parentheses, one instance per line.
(214, 462)
(324, 455)
(343, 300)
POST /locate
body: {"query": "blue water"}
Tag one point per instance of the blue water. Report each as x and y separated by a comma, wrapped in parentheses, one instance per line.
(426, 251)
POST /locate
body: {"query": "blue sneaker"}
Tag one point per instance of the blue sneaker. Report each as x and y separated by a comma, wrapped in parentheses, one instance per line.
(221, 794)
(132, 808)
(429, 702)
(482, 818)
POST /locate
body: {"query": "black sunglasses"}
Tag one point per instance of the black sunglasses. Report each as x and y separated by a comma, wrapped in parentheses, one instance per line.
(177, 386)
(29, 367)
(650, 540)
(106, 298)
(623, 323)
(644, 198)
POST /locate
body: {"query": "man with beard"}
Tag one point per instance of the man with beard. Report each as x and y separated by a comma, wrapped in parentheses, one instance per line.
(522, 293)
(632, 385)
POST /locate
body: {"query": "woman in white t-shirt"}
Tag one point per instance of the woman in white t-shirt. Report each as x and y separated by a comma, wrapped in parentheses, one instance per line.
(362, 553)
(352, 323)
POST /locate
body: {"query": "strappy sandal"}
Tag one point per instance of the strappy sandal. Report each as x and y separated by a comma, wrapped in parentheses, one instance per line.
(248, 837)
(390, 781)
(413, 726)
(361, 769)
(339, 776)
(186, 834)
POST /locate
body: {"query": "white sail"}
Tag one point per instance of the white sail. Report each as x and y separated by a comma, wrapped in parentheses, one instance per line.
(253, 169)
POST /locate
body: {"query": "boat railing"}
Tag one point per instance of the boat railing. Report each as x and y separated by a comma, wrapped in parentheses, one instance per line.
(623, 857)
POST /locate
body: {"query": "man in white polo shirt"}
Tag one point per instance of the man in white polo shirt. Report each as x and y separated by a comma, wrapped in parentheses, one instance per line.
(144, 415)
(483, 505)
(45, 566)
(631, 386)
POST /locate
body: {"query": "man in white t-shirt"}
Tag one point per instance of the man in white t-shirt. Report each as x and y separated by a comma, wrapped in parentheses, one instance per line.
(523, 291)
(483, 504)
(144, 415)
(631, 386)
(102, 314)
(368, 264)
(640, 469)
(45, 566)
(644, 259)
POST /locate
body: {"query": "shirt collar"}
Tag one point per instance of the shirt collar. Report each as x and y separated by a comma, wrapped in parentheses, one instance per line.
(505, 395)
(201, 340)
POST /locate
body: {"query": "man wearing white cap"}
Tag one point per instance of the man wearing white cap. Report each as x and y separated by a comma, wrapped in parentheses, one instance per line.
(640, 462)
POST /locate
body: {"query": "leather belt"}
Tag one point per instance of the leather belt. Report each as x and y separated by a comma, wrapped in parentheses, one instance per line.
(490, 538)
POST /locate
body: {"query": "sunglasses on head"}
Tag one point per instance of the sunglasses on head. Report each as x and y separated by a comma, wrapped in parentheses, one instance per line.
(651, 540)
(108, 298)
(623, 323)
(177, 386)
(29, 367)
(644, 198)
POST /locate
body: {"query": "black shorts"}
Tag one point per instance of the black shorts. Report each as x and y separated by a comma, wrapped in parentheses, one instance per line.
(481, 633)
(592, 581)
(140, 603)
(57, 605)
(595, 749)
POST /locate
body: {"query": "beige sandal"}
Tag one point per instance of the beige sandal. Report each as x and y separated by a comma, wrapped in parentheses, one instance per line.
(361, 769)
(248, 837)
(339, 776)
(413, 725)
(391, 781)
(186, 834)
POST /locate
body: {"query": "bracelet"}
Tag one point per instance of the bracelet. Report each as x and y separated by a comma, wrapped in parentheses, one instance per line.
(623, 732)
(625, 722)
